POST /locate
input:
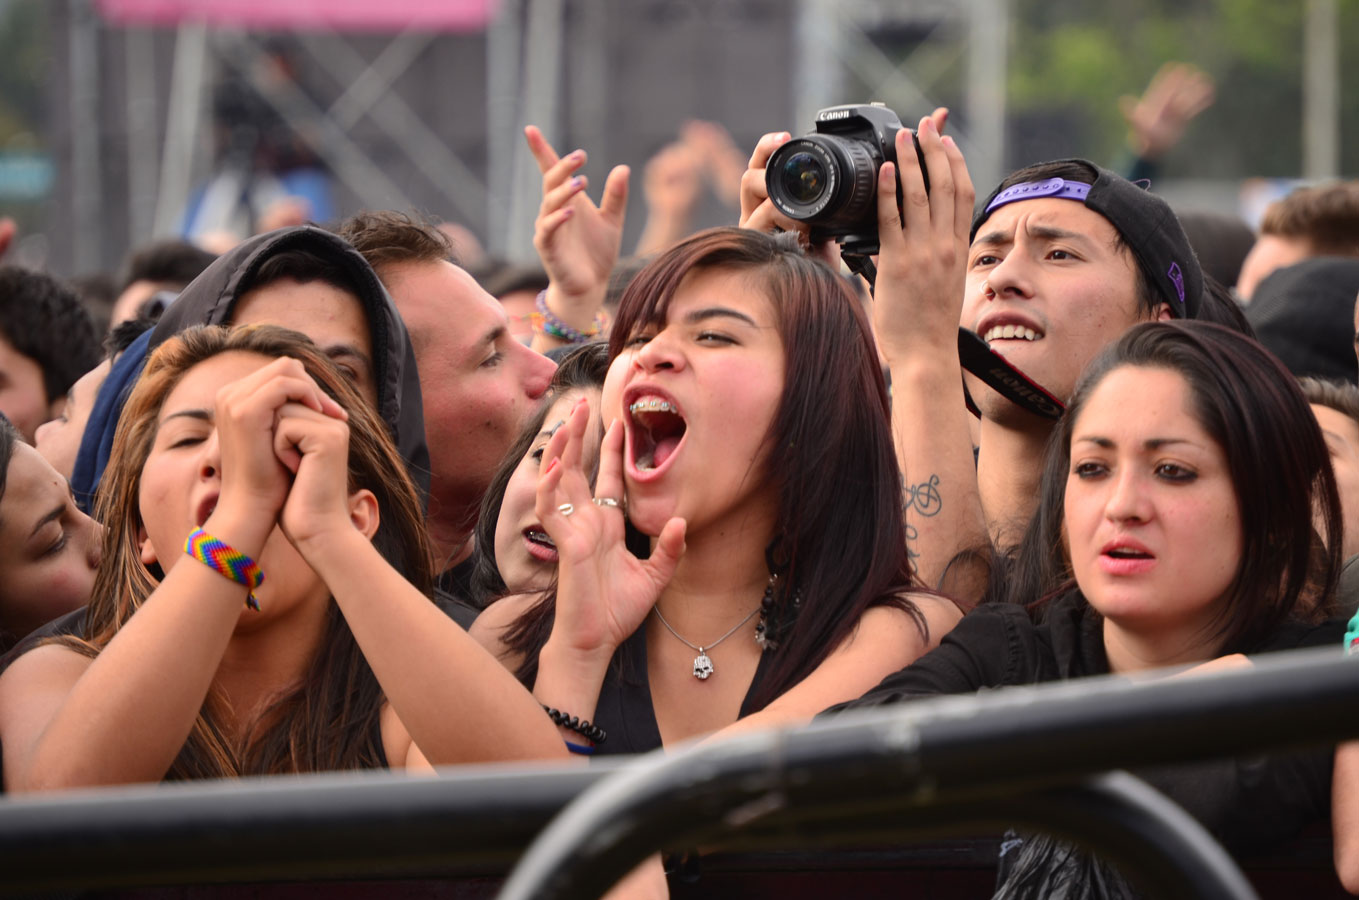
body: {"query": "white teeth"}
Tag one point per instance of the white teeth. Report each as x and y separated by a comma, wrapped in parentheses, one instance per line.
(652, 404)
(1002, 332)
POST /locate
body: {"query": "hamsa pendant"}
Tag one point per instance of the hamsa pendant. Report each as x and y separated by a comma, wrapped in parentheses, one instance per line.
(703, 667)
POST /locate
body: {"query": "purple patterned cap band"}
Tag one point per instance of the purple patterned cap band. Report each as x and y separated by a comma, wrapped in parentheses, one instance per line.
(1053, 187)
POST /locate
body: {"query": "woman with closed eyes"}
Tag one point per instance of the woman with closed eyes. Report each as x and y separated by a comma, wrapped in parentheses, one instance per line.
(263, 604)
(750, 449)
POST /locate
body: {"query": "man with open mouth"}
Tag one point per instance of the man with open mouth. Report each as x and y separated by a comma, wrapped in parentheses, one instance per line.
(1059, 261)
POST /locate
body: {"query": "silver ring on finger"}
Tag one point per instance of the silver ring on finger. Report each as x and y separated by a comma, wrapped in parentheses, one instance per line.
(610, 502)
(566, 509)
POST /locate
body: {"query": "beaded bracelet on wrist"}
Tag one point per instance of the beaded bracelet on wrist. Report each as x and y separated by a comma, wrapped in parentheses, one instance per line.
(544, 321)
(592, 733)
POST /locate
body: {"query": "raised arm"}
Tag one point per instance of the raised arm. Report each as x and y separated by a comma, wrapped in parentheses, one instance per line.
(603, 591)
(916, 309)
(577, 241)
(672, 184)
(886, 641)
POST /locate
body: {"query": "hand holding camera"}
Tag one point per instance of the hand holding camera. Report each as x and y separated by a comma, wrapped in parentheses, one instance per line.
(839, 186)
(823, 184)
(923, 224)
(828, 179)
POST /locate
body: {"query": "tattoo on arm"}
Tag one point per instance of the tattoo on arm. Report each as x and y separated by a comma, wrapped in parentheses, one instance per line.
(924, 498)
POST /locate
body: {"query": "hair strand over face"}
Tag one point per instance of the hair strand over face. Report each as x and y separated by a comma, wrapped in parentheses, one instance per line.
(1277, 460)
(330, 720)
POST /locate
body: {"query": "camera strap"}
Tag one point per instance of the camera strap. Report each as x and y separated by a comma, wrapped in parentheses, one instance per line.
(978, 358)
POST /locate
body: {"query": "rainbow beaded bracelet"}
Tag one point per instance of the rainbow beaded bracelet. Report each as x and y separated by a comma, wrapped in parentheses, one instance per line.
(545, 322)
(226, 561)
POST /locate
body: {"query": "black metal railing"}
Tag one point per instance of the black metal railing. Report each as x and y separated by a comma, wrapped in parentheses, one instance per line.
(958, 762)
(1016, 757)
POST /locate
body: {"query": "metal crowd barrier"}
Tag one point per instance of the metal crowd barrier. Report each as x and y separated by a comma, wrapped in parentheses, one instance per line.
(1023, 756)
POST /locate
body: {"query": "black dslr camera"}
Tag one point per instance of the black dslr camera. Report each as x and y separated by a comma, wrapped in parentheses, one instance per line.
(828, 178)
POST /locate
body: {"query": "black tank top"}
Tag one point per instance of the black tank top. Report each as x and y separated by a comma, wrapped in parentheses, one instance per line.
(625, 711)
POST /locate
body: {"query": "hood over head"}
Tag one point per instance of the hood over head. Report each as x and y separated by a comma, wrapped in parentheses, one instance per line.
(211, 298)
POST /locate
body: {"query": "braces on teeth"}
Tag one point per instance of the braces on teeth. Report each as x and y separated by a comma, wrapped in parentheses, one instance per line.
(652, 406)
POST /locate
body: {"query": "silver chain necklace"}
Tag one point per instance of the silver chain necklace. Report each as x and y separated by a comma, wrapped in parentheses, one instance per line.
(703, 666)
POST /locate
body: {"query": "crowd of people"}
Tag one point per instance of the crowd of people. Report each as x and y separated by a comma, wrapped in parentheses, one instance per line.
(322, 503)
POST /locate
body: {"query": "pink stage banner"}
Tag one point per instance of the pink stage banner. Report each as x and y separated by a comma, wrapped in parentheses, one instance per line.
(339, 15)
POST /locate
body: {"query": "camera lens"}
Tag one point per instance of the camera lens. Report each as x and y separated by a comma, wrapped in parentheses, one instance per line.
(804, 177)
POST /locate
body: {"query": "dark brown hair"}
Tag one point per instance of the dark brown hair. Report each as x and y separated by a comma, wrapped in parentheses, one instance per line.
(583, 367)
(387, 238)
(330, 720)
(9, 437)
(841, 543)
(1279, 466)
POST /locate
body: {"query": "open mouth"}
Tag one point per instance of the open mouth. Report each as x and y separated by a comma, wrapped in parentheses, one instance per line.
(1011, 332)
(658, 428)
(539, 545)
(205, 509)
(1127, 553)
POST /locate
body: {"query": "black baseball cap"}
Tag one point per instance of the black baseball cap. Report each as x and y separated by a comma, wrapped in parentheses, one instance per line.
(1146, 223)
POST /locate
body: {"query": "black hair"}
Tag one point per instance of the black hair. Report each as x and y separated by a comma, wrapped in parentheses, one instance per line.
(9, 438)
(45, 321)
(165, 262)
(1219, 307)
(1220, 241)
(583, 367)
(125, 333)
(304, 267)
(1278, 463)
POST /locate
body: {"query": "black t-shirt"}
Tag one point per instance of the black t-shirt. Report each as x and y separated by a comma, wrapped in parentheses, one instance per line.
(1249, 804)
(453, 593)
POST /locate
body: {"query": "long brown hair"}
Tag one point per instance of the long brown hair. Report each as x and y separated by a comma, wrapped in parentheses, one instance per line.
(1279, 465)
(329, 720)
(841, 542)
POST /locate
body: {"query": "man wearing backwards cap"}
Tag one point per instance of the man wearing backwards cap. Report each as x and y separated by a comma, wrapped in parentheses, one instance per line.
(1062, 258)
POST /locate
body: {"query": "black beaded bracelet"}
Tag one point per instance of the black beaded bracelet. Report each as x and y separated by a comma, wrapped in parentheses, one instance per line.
(592, 733)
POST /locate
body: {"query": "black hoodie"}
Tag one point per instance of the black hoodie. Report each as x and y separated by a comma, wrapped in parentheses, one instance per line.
(211, 298)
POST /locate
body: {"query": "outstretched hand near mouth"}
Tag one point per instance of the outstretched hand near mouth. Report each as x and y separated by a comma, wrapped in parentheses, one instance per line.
(603, 591)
